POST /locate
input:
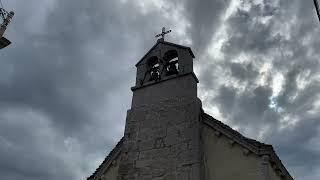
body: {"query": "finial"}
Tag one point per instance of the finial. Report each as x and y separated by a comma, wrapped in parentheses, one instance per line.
(162, 34)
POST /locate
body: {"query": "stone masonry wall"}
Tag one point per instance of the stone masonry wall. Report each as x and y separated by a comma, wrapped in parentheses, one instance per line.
(162, 141)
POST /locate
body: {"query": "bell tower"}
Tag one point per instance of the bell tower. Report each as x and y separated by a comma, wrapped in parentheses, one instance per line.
(162, 133)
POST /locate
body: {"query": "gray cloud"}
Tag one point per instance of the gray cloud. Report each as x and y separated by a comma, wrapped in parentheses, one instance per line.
(70, 65)
(65, 81)
(64, 73)
(204, 17)
(243, 71)
(281, 35)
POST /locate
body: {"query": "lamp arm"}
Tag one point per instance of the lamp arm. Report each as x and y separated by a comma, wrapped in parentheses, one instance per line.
(316, 4)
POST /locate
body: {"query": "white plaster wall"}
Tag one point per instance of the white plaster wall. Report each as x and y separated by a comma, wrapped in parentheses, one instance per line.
(226, 162)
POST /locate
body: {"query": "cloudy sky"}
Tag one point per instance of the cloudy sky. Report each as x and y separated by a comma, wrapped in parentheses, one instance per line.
(65, 81)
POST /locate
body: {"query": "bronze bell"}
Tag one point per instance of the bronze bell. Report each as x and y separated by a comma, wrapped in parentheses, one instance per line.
(154, 74)
(172, 69)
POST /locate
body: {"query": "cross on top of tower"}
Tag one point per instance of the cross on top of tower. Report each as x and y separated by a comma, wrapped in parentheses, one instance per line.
(163, 33)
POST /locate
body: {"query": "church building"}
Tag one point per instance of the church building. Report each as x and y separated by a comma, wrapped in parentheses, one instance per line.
(168, 136)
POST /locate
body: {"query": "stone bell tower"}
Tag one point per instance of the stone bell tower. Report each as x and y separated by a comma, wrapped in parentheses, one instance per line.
(162, 133)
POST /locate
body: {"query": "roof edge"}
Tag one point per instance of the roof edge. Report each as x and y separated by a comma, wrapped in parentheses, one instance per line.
(107, 160)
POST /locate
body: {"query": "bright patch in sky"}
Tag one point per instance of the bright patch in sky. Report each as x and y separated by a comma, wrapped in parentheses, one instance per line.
(288, 121)
(219, 38)
(277, 83)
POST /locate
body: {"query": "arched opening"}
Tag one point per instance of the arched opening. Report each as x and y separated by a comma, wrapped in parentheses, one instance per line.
(153, 68)
(172, 62)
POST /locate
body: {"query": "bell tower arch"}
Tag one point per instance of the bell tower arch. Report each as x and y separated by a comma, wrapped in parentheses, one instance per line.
(171, 59)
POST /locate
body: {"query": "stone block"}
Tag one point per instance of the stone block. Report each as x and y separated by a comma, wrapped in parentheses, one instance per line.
(130, 146)
(146, 145)
(145, 177)
(145, 171)
(176, 149)
(144, 163)
(163, 163)
(188, 157)
(169, 176)
(158, 173)
(125, 168)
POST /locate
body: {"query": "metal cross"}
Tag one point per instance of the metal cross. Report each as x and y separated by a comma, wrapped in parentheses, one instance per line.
(164, 32)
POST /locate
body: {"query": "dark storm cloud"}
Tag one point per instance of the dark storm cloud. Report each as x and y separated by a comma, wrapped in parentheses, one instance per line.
(64, 82)
(298, 147)
(241, 71)
(281, 34)
(236, 105)
(72, 69)
(204, 17)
